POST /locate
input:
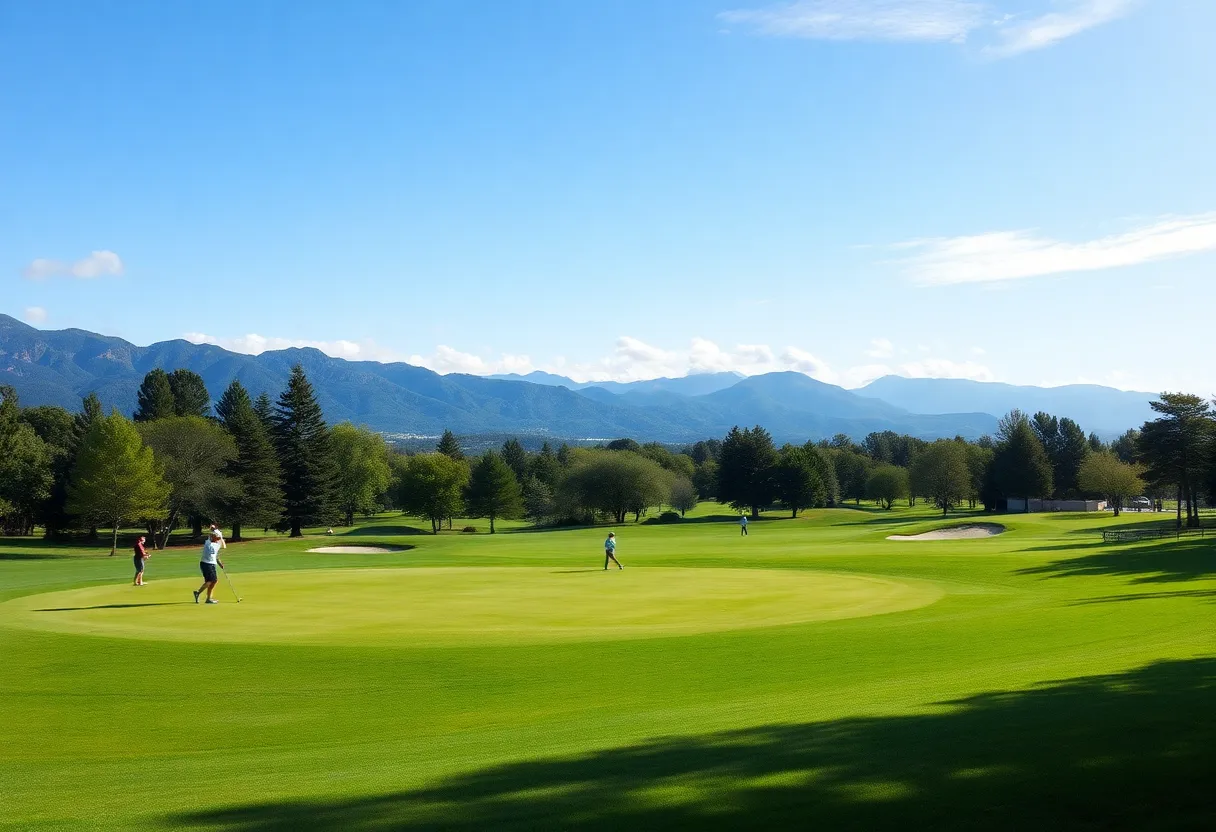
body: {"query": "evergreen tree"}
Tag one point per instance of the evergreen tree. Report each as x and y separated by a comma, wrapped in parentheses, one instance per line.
(449, 447)
(493, 490)
(1177, 448)
(190, 396)
(234, 399)
(259, 499)
(1020, 466)
(516, 457)
(155, 398)
(55, 515)
(546, 467)
(745, 469)
(264, 409)
(306, 460)
(115, 477)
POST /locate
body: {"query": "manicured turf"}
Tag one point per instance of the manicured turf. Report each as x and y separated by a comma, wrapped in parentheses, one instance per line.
(811, 674)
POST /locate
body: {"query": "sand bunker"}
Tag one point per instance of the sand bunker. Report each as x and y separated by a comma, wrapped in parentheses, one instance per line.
(971, 531)
(358, 550)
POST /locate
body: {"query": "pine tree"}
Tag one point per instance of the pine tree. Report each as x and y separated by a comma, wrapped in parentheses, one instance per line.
(259, 501)
(155, 397)
(115, 477)
(493, 490)
(190, 396)
(264, 409)
(235, 399)
(449, 447)
(516, 457)
(745, 469)
(306, 460)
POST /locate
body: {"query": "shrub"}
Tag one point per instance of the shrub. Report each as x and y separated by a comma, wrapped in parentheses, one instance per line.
(469, 530)
(669, 517)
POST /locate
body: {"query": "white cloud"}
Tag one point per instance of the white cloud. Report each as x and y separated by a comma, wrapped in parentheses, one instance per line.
(445, 360)
(945, 368)
(881, 348)
(1015, 36)
(888, 20)
(1011, 255)
(254, 344)
(97, 264)
(928, 21)
(34, 314)
(804, 362)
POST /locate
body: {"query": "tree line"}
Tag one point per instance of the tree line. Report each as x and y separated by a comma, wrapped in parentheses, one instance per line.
(261, 463)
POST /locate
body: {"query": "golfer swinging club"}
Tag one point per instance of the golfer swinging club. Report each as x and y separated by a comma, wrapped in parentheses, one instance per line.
(210, 558)
(610, 551)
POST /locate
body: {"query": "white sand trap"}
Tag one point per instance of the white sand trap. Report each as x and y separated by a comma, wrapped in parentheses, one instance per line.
(358, 550)
(971, 531)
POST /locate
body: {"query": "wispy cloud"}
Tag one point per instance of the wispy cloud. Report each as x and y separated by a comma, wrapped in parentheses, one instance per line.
(34, 314)
(890, 20)
(881, 348)
(97, 264)
(928, 21)
(1016, 36)
(254, 344)
(1012, 255)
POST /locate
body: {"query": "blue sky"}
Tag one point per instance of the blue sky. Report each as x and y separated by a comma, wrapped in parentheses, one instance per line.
(1013, 190)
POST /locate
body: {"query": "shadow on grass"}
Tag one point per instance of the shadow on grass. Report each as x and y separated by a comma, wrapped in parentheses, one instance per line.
(1148, 596)
(1128, 751)
(362, 531)
(1173, 560)
(116, 606)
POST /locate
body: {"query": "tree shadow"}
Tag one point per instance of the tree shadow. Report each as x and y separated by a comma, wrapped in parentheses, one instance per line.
(363, 531)
(1148, 596)
(116, 606)
(38, 556)
(1132, 750)
(1174, 560)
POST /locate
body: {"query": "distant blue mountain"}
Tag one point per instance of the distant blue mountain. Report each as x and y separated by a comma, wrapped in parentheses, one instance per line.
(1103, 410)
(59, 367)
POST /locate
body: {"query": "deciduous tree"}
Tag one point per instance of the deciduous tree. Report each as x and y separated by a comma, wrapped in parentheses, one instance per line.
(886, 484)
(192, 453)
(1105, 475)
(432, 486)
(115, 477)
(363, 472)
(940, 474)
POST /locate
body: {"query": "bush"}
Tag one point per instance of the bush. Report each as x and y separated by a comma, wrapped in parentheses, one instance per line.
(669, 517)
(469, 530)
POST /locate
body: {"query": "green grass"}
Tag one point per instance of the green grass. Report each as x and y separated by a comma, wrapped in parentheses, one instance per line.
(811, 674)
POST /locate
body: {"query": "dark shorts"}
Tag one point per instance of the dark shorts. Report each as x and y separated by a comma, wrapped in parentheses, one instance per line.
(209, 573)
(139, 564)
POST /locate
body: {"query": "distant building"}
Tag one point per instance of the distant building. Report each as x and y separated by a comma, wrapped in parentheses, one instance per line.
(1017, 505)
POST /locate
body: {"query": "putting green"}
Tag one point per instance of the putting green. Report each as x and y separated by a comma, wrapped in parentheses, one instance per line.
(446, 606)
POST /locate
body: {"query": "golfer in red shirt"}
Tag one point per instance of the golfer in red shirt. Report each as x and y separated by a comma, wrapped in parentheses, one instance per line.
(141, 555)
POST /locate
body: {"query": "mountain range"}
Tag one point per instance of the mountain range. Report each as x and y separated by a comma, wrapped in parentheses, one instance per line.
(59, 367)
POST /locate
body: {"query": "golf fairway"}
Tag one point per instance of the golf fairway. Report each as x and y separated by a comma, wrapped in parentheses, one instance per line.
(414, 607)
(811, 675)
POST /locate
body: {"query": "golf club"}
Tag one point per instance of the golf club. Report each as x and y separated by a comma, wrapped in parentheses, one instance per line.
(230, 586)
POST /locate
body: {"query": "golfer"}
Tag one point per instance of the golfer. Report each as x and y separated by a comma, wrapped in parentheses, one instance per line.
(610, 551)
(141, 556)
(743, 525)
(215, 530)
(210, 558)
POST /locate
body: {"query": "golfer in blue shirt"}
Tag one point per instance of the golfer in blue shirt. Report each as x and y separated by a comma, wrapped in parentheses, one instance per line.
(610, 551)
